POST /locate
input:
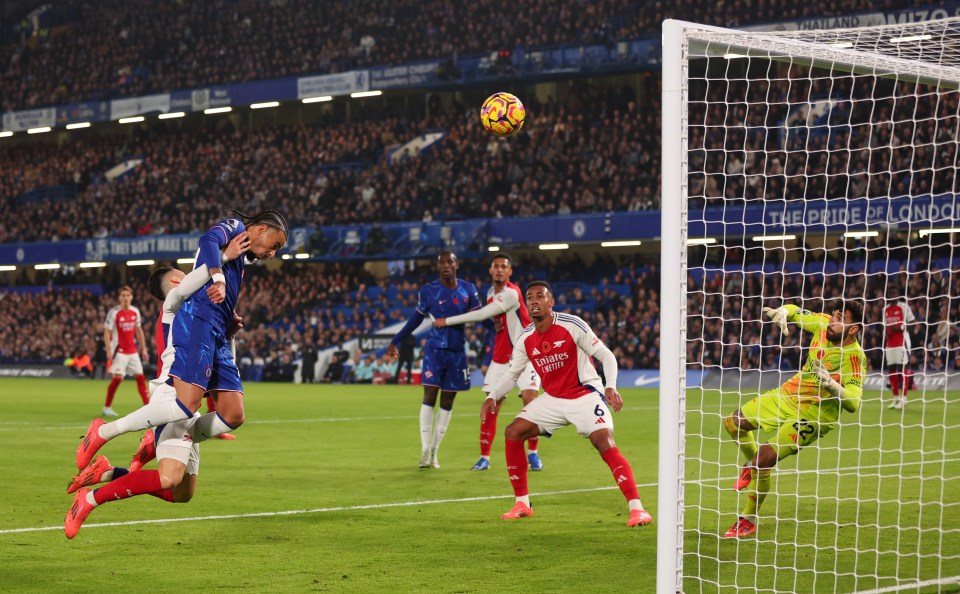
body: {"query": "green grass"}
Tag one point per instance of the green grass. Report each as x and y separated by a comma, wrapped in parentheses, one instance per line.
(323, 447)
(327, 450)
(871, 505)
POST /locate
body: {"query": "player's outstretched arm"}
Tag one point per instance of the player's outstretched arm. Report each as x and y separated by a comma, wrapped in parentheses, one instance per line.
(807, 320)
(504, 302)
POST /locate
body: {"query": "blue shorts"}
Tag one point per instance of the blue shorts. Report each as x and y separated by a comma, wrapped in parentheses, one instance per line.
(446, 369)
(202, 355)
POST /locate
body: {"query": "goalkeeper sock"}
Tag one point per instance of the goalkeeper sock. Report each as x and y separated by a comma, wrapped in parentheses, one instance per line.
(747, 440)
(755, 497)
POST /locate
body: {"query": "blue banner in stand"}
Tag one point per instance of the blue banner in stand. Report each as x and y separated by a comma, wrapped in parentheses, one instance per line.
(87, 111)
(833, 215)
(100, 250)
(405, 75)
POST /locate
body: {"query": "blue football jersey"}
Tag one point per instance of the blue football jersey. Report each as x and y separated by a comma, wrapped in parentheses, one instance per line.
(212, 243)
(442, 302)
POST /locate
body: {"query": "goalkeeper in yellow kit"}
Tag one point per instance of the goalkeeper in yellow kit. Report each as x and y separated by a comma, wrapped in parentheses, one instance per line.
(804, 408)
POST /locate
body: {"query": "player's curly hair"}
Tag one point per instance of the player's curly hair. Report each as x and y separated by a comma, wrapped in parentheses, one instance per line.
(155, 282)
(855, 307)
(270, 218)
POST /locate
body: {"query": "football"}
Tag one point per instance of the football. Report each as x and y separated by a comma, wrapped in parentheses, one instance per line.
(502, 114)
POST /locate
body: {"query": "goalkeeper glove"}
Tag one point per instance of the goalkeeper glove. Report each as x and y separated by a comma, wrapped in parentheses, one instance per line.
(826, 382)
(779, 317)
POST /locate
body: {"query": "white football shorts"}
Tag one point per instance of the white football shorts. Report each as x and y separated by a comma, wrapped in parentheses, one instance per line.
(895, 356)
(175, 440)
(528, 380)
(588, 413)
(126, 364)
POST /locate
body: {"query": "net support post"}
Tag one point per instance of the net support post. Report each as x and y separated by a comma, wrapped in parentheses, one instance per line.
(672, 315)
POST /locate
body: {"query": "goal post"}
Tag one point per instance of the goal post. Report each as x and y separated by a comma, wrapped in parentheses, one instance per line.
(810, 168)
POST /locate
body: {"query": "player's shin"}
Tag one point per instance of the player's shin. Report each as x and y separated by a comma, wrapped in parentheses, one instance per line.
(142, 388)
(488, 432)
(112, 390)
(426, 427)
(756, 495)
(209, 426)
(152, 414)
(747, 440)
(517, 469)
(443, 421)
(622, 473)
(129, 485)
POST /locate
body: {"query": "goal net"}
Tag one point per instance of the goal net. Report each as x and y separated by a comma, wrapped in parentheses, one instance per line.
(815, 169)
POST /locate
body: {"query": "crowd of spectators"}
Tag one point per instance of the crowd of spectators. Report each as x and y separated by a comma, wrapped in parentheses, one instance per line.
(115, 48)
(772, 132)
(594, 153)
(294, 312)
(726, 327)
(308, 307)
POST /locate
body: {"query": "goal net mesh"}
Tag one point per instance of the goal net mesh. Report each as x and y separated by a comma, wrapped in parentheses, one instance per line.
(821, 166)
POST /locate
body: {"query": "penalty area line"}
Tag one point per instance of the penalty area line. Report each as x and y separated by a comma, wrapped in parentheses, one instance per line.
(319, 510)
(913, 585)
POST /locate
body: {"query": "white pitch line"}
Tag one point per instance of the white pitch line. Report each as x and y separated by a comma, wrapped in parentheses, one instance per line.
(297, 512)
(21, 426)
(913, 585)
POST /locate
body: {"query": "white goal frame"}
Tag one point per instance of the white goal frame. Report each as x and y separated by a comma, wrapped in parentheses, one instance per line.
(681, 42)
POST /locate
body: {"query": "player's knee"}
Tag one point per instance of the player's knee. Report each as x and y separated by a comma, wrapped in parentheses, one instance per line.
(767, 456)
(234, 418)
(514, 432)
(170, 478)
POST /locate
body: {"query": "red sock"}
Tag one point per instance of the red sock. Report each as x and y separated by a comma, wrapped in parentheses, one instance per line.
(112, 389)
(532, 443)
(211, 405)
(622, 473)
(516, 466)
(165, 494)
(142, 388)
(129, 485)
(895, 383)
(488, 432)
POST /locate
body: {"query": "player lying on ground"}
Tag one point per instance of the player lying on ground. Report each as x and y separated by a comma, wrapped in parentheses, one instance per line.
(504, 305)
(805, 408)
(204, 361)
(560, 347)
(175, 445)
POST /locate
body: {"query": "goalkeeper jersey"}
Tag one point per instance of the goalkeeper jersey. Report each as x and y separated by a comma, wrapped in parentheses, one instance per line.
(846, 364)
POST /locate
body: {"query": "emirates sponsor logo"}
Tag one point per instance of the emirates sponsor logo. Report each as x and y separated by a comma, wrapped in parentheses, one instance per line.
(551, 362)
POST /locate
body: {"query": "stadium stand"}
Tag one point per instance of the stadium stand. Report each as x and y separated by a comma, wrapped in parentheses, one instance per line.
(589, 155)
(64, 57)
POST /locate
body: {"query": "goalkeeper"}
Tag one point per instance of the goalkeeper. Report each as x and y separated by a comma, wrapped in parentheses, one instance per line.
(804, 408)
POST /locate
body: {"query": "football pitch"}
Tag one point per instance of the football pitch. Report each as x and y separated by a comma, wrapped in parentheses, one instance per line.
(321, 492)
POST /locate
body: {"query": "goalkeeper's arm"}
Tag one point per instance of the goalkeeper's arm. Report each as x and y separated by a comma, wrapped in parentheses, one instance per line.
(849, 389)
(807, 320)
